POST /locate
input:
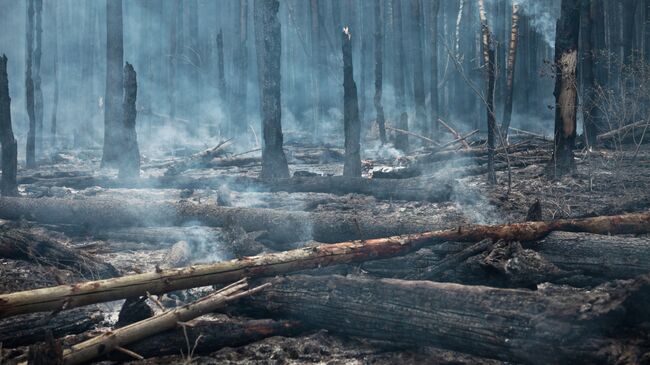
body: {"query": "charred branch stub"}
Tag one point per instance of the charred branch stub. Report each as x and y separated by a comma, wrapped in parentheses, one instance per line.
(566, 89)
(352, 124)
(269, 48)
(130, 153)
(8, 185)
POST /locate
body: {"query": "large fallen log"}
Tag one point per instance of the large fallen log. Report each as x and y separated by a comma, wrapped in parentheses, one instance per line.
(281, 226)
(31, 328)
(70, 296)
(210, 335)
(426, 189)
(109, 341)
(30, 245)
(550, 325)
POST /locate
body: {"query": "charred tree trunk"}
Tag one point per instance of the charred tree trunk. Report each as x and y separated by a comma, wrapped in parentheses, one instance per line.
(29, 86)
(566, 89)
(489, 65)
(38, 92)
(269, 50)
(352, 124)
(435, 104)
(223, 93)
(55, 70)
(316, 46)
(9, 146)
(418, 70)
(239, 89)
(589, 109)
(379, 72)
(399, 62)
(130, 159)
(114, 83)
(510, 70)
(176, 12)
(549, 325)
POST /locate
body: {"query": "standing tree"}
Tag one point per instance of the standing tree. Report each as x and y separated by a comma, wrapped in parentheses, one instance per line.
(55, 71)
(399, 62)
(268, 44)
(9, 145)
(566, 90)
(489, 65)
(130, 158)
(316, 48)
(114, 82)
(352, 124)
(418, 70)
(29, 86)
(38, 92)
(510, 69)
(379, 72)
(220, 65)
(434, 98)
(239, 88)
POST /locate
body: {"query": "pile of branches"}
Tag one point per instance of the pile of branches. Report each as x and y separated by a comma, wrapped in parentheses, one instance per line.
(571, 290)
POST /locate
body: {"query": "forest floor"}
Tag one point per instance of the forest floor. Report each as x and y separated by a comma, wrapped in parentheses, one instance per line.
(606, 182)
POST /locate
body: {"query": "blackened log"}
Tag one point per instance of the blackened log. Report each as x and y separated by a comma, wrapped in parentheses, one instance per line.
(552, 324)
(31, 328)
(130, 153)
(9, 145)
(352, 124)
(269, 48)
(215, 333)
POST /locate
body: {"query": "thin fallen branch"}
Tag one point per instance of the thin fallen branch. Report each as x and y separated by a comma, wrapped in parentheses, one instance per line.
(70, 296)
(413, 134)
(109, 341)
(456, 135)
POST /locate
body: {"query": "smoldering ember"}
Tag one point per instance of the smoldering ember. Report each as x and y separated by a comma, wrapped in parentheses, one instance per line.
(324, 181)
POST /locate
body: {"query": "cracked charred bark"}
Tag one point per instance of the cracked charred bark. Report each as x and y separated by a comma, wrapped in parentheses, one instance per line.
(269, 48)
(566, 89)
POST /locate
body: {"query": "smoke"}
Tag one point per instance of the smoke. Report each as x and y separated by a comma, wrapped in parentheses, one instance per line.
(542, 17)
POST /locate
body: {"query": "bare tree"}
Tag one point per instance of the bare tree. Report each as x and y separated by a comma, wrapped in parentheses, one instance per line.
(38, 92)
(434, 97)
(510, 69)
(55, 71)
(489, 65)
(418, 70)
(269, 49)
(352, 124)
(9, 146)
(114, 82)
(239, 88)
(29, 86)
(379, 72)
(566, 91)
(401, 139)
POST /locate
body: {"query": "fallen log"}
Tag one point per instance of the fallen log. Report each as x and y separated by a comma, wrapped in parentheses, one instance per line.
(209, 335)
(281, 226)
(30, 245)
(31, 328)
(550, 325)
(622, 133)
(109, 341)
(161, 281)
(197, 159)
(414, 189)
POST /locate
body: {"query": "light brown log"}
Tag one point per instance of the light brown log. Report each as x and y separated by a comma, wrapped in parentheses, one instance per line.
(550, 325)
(623, 131)
(107, 342)
(70, 296)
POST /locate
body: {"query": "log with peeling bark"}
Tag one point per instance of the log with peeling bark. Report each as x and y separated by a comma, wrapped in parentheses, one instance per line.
(550, 325)
(31, 245)
(211, 334)
(109, 341)
(282, 226)
(70, 296)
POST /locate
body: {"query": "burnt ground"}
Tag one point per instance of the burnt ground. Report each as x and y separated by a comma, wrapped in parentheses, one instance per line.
(607, 181)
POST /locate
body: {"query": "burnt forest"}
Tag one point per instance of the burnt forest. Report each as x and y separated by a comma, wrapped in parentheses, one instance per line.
(324, 182)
